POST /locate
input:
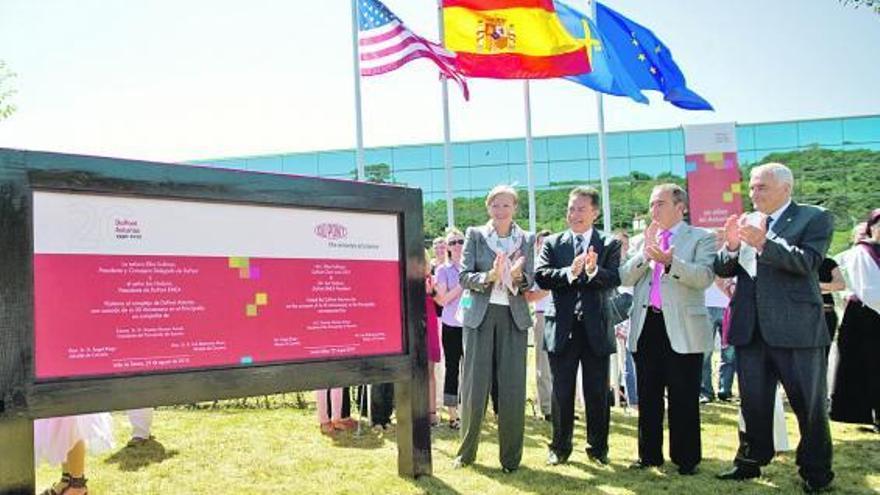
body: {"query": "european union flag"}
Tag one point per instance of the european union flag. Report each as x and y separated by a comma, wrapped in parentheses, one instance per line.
(609, 74)
(647, 60)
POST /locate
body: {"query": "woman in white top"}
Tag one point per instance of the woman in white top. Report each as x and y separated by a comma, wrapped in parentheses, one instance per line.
(856, 397)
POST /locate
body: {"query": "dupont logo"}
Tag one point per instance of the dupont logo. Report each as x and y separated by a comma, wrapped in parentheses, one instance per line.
(331, 231)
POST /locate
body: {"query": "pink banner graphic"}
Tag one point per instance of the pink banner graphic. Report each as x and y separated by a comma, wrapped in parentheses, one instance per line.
(98, 314)
(714, 187)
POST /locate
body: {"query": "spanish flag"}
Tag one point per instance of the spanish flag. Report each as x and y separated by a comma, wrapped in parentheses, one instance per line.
(511, 39)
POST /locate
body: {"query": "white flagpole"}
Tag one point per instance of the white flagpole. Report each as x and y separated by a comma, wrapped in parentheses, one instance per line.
(603, 159)
(359, 126)
(359, 134)
(447, 147)
(529, 157)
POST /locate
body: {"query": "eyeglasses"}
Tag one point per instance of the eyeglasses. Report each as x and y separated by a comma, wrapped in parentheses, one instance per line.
(460, 242)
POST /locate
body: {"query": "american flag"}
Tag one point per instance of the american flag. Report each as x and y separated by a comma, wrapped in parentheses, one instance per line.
(386, 44)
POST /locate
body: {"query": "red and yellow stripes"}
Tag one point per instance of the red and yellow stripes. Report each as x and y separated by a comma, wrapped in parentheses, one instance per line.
(511, 39)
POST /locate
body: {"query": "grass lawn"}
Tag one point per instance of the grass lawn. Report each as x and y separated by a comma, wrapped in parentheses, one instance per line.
(253, 450)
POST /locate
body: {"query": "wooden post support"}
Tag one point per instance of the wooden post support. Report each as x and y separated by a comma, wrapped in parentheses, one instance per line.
(413, 427)
(17, 466)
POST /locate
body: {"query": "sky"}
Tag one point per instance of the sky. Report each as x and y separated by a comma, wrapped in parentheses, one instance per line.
(171, 80)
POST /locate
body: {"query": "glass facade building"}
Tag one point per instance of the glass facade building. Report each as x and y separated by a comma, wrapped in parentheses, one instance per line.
(560, 161)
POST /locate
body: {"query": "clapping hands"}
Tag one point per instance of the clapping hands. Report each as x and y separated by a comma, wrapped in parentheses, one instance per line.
(497, 267)
(584, 262)
(737, 229)
(654, 251)
(752, 235)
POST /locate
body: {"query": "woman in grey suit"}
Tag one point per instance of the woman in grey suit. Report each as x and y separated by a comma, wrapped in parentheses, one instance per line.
(497, 269)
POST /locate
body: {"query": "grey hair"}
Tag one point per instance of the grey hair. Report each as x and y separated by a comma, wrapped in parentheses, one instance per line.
(779, 171)
(679, 195)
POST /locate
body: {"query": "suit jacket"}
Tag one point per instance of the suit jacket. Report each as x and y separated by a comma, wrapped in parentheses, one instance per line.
(551, 274)
(682, 290)
(476, 261)
(784, 297)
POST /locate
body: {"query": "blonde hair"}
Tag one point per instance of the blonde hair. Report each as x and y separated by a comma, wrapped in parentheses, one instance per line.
(499, 190)
(453, 232)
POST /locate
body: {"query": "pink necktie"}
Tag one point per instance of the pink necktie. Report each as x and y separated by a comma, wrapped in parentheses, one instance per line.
(654, 295)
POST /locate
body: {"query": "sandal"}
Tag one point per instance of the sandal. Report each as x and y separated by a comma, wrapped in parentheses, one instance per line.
(344, 424)
(455, 424)
(65, 480)
(327, 428)
(435, 419)
(77, 483)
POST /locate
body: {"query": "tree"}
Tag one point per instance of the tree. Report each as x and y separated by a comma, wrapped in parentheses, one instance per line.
(871, 4)
(843, 181)
(6, 108)
(379, 173)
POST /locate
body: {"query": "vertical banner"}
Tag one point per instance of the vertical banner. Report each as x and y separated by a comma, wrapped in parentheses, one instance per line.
(713, 177)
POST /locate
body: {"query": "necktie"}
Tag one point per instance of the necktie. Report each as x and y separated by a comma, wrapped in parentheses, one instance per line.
(767, 222)
(654, 295)
(578, 250)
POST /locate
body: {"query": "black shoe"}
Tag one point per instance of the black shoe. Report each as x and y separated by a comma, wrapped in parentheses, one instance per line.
(555, 459)
(548, 418)
(739, 472)
(640, 464)
(459, 463)
(600, 458)
(687, 470)
(507, 470)
(725, 397)
(811, 487)
(869, 429)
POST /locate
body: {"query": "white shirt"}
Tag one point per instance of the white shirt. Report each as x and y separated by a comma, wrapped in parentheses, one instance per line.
(499, 292)
(716, 298)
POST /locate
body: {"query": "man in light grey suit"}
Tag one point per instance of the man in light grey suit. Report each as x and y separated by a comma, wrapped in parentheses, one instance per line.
(777, 323)
(670, 269)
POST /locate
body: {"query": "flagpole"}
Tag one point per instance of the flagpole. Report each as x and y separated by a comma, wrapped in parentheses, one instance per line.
(529, 157)
(447, 147)
(359, 126)
(603, 159)
(359, 156)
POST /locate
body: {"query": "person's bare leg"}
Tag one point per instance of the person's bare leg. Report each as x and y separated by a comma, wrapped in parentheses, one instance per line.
(76, 466)
(432, 395)
(73, 467)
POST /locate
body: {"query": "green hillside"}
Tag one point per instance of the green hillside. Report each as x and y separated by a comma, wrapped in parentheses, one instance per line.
(845, 182)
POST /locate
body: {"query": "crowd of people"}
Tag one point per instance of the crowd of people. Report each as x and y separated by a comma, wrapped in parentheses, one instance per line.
(760, 289)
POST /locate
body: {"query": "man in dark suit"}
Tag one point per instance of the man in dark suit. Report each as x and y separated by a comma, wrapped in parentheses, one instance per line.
(580, 267)
(777, 323)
